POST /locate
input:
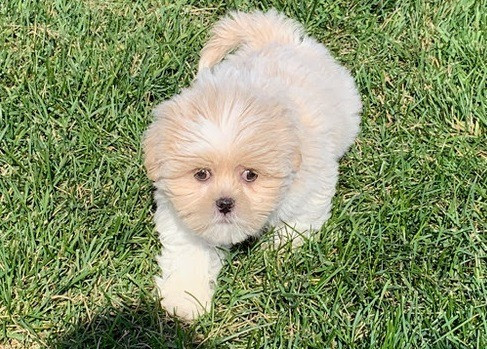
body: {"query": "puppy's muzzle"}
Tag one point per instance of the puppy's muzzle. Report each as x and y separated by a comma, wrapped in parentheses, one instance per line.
(225, 205)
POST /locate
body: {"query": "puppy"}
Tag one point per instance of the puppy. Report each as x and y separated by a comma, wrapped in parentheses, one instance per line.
(254, 142)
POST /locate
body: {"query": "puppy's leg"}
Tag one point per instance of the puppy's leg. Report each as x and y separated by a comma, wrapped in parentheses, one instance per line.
(308, 202)
(189, 276)
(295, 232)
(309, 220)
(189, 271)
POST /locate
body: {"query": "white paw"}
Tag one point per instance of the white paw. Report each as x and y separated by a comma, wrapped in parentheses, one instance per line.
(283, 234)
(184, 300)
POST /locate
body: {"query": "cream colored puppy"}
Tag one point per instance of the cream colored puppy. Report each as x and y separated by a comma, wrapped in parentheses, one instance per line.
(253, 142)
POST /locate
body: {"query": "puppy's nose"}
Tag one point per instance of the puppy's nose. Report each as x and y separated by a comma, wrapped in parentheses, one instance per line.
(225, 205)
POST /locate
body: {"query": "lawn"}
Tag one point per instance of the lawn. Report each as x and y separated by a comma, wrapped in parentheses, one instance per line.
(402, 262)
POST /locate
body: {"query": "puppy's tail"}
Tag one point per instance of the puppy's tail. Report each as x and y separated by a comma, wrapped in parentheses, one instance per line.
(255, 30)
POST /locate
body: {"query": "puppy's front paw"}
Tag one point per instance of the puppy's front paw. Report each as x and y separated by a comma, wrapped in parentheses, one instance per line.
(185, 301)
(295, 234)
(184, 306)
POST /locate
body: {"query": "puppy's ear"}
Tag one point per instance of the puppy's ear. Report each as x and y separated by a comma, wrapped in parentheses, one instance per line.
(297, 159)
(153, 144)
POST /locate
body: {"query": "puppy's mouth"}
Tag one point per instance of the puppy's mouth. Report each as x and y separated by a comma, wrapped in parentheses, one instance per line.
(225, 219)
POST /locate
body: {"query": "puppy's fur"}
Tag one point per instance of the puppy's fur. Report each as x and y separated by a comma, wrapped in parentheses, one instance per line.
(279, 106)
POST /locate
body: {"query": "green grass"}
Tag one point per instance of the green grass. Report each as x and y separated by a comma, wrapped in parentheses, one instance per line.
(402, 262)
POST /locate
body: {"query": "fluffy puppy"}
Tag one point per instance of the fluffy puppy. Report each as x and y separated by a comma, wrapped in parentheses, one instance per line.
(253, 142)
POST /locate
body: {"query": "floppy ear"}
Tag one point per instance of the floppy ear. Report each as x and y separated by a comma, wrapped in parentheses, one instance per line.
(153, 144)
(294, 142)
(297, 159)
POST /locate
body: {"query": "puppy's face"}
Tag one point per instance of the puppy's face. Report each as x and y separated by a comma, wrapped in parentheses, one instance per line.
(223, 158)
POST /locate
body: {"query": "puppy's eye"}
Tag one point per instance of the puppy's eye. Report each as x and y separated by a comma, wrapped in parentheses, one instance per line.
(249, 175)
(202, 174)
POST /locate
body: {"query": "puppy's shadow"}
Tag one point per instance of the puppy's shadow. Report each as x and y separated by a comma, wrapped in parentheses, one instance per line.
(141, 325)
(136, 323)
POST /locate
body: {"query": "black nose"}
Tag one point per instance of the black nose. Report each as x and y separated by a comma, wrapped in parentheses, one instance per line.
(225, 205)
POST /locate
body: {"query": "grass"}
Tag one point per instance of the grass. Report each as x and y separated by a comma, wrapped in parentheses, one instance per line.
(402, 262)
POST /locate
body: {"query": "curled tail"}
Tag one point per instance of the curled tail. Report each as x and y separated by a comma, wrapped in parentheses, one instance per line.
(255, 29)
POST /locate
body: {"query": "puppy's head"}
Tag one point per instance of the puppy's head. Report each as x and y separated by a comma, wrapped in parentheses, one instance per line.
(223, 157)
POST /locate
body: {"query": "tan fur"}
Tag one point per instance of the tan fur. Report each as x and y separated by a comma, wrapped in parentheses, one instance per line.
(265, 140)
(253, 30)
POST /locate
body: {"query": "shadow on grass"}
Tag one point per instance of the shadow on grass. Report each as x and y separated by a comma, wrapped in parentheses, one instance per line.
(136, 324)
(143, 325)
